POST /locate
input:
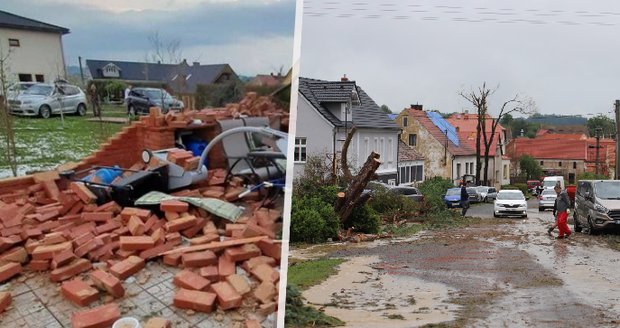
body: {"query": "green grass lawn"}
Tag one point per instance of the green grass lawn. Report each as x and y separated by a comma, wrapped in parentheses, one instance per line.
(46, 143)
(309, 273)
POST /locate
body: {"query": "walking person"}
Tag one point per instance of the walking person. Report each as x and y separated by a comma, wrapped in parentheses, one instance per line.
(464, 199)
(94, 100)
(560, 208)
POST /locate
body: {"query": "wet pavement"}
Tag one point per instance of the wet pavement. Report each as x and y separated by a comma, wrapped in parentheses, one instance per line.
(500, 273)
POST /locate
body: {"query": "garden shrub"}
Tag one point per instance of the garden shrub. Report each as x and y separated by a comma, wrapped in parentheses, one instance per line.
(313, 220)
(393, 207)
(364, 219)
(433, 191)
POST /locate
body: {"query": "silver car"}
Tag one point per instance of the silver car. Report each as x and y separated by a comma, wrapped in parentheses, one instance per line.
(486, 193)
(546, 199)
(47, 99)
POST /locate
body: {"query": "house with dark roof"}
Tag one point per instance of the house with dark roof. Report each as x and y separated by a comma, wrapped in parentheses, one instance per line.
(264, 80)
(327, 111)
(180, 79)
(438, 141)
(34, 48)
(410, 164)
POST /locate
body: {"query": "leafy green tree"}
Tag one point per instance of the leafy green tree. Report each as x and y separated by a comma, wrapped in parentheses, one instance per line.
(386, 109)
(530, 167)
(506, 121)
(607, 125)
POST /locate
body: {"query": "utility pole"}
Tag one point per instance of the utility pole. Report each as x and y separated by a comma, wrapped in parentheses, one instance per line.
(81, 71)
(598, 140)
(617, 110)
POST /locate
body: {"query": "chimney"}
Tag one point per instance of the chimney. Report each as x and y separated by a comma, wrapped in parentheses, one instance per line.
(416, 107)
(271, 73)
(344, 78)
(184, 61)
(159, 61)
(196, 64)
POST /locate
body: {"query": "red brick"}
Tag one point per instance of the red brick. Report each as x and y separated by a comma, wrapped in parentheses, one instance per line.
(6, 232)
(265, 292)
(76, 208)
(108, 283)
(174, 238)
(70, 270)
(9, 270)
(183, 223)
(150, 222)
(136, 226)
(46, 252)
(125, 254)
(210, 272)
(16, 254)
(190, 280)
(227, 296)
(225, 267)
(191, 232)
(111, 206)
(127, 267)
(158, 236)
(78, 292)
(158, 322)
(174, 206)
(53, 238)
(83, 193)
(39, 265)
(99, 317)
(194, 300)
(252, 230)
(204, 239)
(251, 323)
(155, 251)
(87, 247)
(231, 227)
(243, 252)
(270, 248)
(172, 259)
(107, 227)
(127, 212)
(136, 243)
(8, 242)
(5, 301)
(253, 262)
(31, 233)
(97, 216)
(264, 272)
(171, 216)
(83, 239)
(51, 189)
(62, 258)
(239, 283)
(48, 225)
(267, 309)
(199, 259)
(212, 193)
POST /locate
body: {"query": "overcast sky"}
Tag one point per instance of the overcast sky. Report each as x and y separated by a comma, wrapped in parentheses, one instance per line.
(254, 36)
(564, 54)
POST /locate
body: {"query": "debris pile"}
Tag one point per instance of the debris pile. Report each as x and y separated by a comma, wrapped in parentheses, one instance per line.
(55, 227)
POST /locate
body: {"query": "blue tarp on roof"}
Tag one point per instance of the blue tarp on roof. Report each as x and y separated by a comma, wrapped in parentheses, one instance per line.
(444, 126)
(392, 116)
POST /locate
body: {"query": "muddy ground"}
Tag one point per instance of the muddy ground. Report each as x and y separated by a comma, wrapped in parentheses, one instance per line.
(501, 273)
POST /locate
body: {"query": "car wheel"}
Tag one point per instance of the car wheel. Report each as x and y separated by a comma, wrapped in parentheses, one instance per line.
(81, 110)
(131, 110)
(495, 215)
(524, 216)
(540, 209)
(45, 111)
(591, 229)
(576, 225)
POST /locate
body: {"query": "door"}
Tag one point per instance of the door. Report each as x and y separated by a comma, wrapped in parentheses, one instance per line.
(70, 98)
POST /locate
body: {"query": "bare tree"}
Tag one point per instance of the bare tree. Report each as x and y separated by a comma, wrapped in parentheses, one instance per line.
(165, 51)
(479, 99)
(7, 131)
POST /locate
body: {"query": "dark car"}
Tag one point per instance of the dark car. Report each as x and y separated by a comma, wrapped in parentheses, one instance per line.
(474, 196)
(141, 99)
(409, 192)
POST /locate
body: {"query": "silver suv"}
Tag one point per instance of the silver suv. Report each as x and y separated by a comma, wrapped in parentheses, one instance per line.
(46, 99)
(597, 205)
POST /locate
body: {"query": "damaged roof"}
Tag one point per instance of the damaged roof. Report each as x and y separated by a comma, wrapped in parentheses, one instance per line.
(365, 115)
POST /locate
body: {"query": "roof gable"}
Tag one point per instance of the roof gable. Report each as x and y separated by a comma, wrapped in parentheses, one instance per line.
(9, 20)
(425, 122)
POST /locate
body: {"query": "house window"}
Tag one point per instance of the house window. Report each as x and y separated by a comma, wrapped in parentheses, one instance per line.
(458, 169)
(300, 150)
(505, 172)
(410, 173)
(413, 139)
(25, 77)
(574, 165)
(560, 164)
(542, 163)
(405, 121)
(39, 78)
(13, 42)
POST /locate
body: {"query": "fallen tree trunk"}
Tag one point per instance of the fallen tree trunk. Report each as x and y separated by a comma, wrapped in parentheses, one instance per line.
(353, 197)
(344, 163)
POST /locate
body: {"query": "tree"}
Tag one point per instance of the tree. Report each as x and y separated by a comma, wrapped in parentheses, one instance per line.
(530, 167)
(164, 51)
(7, 131)
(479, 99)
(506, 120)
(607, 125)
(386, 109)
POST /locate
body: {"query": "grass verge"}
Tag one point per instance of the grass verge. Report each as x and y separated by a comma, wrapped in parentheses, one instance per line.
(300, 315)
(309, 273)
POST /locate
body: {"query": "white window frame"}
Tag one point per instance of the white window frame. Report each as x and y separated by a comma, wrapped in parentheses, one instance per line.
(300, 143)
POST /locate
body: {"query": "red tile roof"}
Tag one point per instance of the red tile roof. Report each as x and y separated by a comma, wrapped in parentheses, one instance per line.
(467, 125)
(563, 136)
(408, 153)
(541, 148)
(420, 116)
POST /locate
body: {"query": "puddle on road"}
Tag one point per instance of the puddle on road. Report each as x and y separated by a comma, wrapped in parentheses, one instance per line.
(363, 296)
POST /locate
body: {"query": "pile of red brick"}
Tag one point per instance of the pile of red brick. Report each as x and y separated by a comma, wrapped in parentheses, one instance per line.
(184, 159)
(54, 226)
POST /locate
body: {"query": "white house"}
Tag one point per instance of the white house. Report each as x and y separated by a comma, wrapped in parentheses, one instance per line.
(327, 110)
(34, 49)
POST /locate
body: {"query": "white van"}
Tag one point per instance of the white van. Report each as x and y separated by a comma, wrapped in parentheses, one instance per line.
(550, 182)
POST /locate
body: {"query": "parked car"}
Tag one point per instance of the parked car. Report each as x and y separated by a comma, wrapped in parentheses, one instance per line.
(43, 100)
(532, 186)
(597, 205)
(546, 199)
(141, 99)
(474, 197)
(17, 88)
(486, 193)
(550, 182)
(407, 191)
(452, 198)
(510, 202)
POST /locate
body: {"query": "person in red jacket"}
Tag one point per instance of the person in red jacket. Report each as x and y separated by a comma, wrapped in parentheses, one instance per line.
(562, 203)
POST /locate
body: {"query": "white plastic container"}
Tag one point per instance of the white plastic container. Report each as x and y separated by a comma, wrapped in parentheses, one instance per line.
(127, 322)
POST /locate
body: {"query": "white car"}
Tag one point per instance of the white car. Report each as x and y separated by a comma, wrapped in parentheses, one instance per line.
(510, 202)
